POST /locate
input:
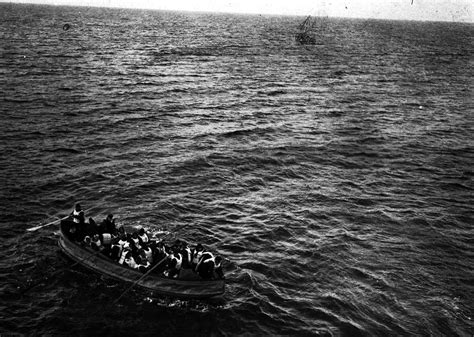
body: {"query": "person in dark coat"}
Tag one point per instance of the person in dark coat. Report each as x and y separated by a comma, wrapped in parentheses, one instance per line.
(108, 225)
(160, 256)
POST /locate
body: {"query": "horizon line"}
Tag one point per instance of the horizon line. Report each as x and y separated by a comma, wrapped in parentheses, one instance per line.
(231, 12)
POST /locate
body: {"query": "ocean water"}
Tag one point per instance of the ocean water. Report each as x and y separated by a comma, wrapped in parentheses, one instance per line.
(336, 179)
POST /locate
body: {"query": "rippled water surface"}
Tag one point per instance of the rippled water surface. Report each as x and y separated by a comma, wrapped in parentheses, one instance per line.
(336, 179)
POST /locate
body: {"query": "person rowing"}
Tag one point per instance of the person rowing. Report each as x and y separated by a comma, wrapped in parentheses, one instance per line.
(76, 227)
(78, 215)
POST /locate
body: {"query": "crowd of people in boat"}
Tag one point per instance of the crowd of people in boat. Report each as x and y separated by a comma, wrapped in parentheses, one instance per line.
(137, 251)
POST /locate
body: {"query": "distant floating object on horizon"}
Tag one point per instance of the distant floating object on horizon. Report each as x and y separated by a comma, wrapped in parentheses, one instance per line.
(66, 26)
(304, 35)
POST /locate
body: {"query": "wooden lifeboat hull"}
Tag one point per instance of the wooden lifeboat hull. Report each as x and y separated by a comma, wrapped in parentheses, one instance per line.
(103, 265)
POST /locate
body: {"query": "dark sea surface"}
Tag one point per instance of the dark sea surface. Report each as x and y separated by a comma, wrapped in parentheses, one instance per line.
(336, 179)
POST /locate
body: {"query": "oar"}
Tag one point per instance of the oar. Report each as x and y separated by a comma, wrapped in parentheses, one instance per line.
(32, 229)
(141, 278)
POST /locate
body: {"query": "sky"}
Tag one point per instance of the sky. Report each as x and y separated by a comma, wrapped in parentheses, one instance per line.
(425, 10)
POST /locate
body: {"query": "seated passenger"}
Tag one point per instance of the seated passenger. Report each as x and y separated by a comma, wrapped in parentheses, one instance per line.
(94, 228)
(135, 241)
(115, 249)
(143, 236)
(196, 255)
(142, 264)
(160, 256)
(159, 252)
(108, 224)
(121, 231)
(87, 241)
(90, 227)
(130, 261)
(146, 253)
(218, 267)
(96, 244)
(78, 215)
(123, 242)
(186, 253)
(123, 255)
(208, 264)
(174, 265)
(176, 245)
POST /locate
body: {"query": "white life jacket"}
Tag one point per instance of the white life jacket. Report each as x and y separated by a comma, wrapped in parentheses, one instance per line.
(197, 256)
(188, 253)
(217, 265)
(124, 244)
(122, 256)
(148, 254)
(207, 258)
(144, 237)
(137, 242)
(76, 216)
(87, 240)
(179, 261)
(131, 263)
(146, 265)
